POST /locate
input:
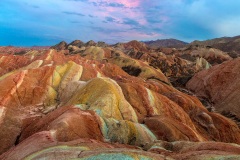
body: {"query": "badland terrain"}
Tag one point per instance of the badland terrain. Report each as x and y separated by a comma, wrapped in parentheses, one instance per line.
(163, 99)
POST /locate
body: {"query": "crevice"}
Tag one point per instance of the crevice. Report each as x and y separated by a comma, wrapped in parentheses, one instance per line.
(180, 81)
(17, 92)
(231, 116)
(159, 80)
(17, 139)
(131, 70)
(79, 155)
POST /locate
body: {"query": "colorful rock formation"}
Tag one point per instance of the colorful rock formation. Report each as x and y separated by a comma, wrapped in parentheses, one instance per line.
(219, 85)
(102, 104)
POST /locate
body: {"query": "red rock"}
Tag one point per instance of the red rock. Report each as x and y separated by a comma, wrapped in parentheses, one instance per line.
(220, 86)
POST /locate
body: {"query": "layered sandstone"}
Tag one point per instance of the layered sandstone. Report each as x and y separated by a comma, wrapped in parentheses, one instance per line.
(219, 85)
(101, 103)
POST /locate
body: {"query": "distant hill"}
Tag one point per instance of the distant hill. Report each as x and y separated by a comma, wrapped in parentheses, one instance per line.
(21, 50)
(166, 43)
(226, 44)
(214, 41)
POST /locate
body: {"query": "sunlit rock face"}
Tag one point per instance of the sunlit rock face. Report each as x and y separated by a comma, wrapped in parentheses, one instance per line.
(101, 103)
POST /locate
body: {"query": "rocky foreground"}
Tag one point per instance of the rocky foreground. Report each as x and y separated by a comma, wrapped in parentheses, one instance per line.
(94, 101)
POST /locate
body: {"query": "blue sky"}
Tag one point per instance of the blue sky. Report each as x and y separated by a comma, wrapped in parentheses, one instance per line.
(47, 22)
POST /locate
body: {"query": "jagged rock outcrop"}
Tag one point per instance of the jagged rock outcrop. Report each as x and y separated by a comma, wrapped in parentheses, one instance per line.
(90, 43)
(102, 44)
(60, 46)
(103, 103)
(77, 43)
(219, 85)
(139, 46)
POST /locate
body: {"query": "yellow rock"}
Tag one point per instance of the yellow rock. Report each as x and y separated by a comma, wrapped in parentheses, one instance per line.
(93, 52)
(61, 69)
(34, 64)
(49, 56)
(56, 79)
(202, 63)
(105, 97)
(51, 96)
(72, 72)
(61, 77)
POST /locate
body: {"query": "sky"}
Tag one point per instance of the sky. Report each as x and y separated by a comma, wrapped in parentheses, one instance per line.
(47, 22)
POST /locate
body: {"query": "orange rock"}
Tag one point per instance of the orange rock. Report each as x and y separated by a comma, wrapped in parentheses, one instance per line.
(10, 63)
(176, 131)
(220, 86)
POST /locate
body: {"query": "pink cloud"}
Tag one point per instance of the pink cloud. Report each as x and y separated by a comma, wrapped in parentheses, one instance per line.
(131, 35)
(126, 3)
(119, 13)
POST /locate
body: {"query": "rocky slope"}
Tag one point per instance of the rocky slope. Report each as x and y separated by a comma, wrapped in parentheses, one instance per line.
(95, 101)
(231, 45)
(214, 41)
(220, 86)
(179, 65)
